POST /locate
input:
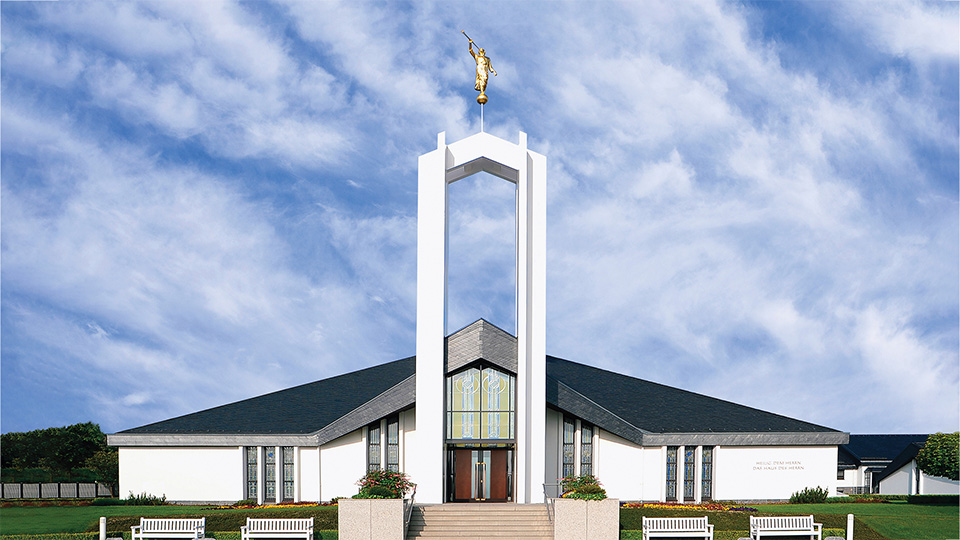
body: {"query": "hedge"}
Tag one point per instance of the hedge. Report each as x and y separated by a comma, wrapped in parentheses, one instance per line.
(945, 500)
(631, 519)
(324, 518)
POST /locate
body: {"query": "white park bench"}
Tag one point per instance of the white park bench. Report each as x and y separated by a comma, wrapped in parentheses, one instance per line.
(169, 528)
(677, 527)
(784, 526)
(277, 528)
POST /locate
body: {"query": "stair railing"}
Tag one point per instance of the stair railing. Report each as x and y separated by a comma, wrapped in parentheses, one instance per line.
(550, 493)
(408, 510)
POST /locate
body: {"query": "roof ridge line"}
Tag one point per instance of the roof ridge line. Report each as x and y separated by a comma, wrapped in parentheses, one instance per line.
(703, 395)
(362, 405)
(601, 407)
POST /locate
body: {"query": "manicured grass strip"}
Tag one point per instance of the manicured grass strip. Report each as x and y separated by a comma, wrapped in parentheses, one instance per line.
(726, 535)
(900, 521)
(75, 519)
(632, 518)
(317, 535)
(59, 536)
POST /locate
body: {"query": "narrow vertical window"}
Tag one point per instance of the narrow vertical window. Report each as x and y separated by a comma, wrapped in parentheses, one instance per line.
(689, 472)
(672, 473)
(706, 474)
(288, 473)
(270, 473)
(251, 472)
(586, 449)
(393, 444)
(373, 447)
(568, 450)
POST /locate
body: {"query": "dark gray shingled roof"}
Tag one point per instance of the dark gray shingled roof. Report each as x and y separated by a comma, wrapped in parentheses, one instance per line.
(637, 410)
(905, 456)
(302, 409)
(878, 447)
(650, 408)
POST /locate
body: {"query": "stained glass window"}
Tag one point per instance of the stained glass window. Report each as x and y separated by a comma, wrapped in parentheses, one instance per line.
(270, 473)
(288, 473)
(586, 449)
(568, 451)
(373, 446)
(689, 472)
(480, 404)
(251, 472)
(393, 444)
(706, 474)
(672, 473)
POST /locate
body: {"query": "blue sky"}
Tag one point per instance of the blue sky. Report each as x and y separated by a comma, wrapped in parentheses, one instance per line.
(203, 202)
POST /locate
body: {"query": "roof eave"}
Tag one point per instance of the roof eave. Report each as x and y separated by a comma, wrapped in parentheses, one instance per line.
(789, 438)
(211, 439)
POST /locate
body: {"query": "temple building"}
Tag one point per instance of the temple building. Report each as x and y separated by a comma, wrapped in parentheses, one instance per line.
(480, 413)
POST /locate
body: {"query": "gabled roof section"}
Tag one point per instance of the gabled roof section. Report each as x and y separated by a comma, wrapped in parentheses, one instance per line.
(904, 457)
(481, 340)
(866, 448)
(316, 410)
(661, 414)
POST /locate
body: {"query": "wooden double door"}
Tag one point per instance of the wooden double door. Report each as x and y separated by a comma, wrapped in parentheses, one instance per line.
(481, 474)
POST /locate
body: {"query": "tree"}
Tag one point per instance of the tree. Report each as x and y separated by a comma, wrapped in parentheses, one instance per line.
(939, 455)
(106, 465)
(57, 450)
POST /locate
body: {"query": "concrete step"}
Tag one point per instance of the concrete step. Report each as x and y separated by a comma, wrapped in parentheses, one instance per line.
(469, 521)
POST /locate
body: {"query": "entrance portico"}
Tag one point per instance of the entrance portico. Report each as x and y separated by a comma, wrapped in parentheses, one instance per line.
(437, 170)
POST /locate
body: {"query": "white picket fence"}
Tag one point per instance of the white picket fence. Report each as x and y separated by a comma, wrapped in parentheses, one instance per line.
(54, 490)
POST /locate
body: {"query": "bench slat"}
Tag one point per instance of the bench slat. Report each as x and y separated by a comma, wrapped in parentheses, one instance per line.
(784, 525)
(169, 528)
(277, 527)
(694, 527)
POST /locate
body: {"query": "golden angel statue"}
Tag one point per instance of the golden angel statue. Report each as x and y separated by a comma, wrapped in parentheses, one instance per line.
(484, 68)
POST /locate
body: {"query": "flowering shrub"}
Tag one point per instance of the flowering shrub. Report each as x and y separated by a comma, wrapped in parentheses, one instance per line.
(247, 504)
(711, 506)
(582, 487)
(382, 484)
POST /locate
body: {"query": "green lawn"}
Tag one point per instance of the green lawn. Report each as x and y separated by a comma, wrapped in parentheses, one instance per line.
(887, 521)
(894, 521)
(76, 519)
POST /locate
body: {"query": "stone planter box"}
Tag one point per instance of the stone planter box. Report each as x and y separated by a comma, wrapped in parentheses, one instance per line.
(370, 519)
(576, 519)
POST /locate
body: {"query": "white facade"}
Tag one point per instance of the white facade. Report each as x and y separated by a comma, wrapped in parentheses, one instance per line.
(910, 480)
(187, 463)
(437, 170)
(628, 471)
(772, 473)
(183, 473)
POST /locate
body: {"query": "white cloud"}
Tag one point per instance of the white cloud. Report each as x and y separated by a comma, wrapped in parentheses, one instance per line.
(718, 220)
(190, 277)
(922, 31)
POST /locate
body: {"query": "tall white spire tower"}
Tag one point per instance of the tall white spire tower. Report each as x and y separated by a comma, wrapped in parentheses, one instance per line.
(437, 170)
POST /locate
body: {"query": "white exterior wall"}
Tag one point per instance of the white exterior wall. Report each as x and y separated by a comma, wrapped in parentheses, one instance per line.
(654, 486)
(342, 462)
(408, 439)
(308, 479)
(183, 473)
(553, 428)
(427, 462)
(773, 472)
(620, 465)
(852, 478)
(938, 485)
(904, 480)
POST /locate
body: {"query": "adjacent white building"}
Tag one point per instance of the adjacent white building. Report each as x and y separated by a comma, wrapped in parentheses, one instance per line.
(481, 413)
(903, 477)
